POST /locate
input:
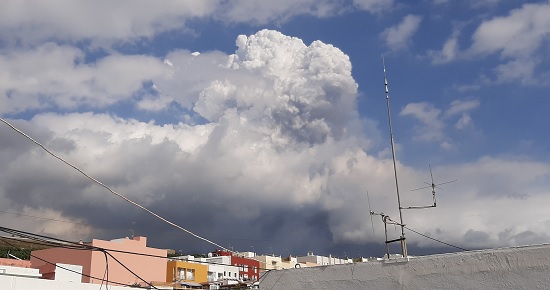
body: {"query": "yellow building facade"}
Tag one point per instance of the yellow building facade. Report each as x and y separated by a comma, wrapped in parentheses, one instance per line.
(182, 271)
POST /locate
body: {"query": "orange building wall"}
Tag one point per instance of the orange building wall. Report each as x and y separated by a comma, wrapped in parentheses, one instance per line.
(201, 271)
(93, 262)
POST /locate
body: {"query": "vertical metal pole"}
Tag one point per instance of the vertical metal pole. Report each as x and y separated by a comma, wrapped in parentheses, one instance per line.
(384, 218)
(403, 243)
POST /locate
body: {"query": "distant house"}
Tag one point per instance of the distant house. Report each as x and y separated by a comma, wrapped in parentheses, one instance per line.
(270, 262)
(220, 268)
(94, 263)
(249, 269)
(186, 271)
(322, 260)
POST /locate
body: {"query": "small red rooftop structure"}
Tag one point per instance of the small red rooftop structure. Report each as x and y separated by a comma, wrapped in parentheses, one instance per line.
(249, 269)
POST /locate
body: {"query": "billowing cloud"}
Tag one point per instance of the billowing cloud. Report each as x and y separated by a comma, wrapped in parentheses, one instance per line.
(373, 5)
(52, 75)
(519, 38)
(31, 21)
(103, 23)
(433, 121)
(506, 211)
(279, 131)
(448, 53)
(429, 117)
(520, 33)
(271, 152)
(459, 106)
(399, 36)
(264, 12)
(483, 3)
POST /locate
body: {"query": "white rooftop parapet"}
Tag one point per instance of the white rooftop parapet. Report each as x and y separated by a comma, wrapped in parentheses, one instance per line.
(19, 272)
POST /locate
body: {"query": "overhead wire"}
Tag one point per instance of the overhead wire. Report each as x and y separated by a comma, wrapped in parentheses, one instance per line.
(208, 237)
(108, 188)
(42, 218)
(392, 222)
(68, 269)
(73, 245)
(45, 240)
(436, 240)
(105, 274)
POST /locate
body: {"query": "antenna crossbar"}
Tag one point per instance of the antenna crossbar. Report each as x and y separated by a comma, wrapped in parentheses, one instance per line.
(419, 207)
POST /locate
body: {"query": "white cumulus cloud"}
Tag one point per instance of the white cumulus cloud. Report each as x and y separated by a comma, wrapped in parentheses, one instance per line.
(399, 36)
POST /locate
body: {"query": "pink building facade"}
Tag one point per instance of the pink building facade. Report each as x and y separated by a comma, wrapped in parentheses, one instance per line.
(148, 265)
(15, 263)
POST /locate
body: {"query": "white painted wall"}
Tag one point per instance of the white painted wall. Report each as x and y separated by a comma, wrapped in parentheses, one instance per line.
(322, 260)
(508, 268)
(69, 273)
(222, 267)
(19, 271)
(24, 283)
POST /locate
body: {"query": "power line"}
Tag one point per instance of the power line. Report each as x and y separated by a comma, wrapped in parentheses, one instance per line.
(109, 189)
(208, 237)
(55, 242)
(43, 218)
(82, 274)
(428, 237)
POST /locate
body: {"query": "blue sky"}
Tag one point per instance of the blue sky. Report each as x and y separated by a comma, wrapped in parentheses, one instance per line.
(264, 125)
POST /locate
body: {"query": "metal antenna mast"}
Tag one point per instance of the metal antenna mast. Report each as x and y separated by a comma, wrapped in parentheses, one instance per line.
(402, 238)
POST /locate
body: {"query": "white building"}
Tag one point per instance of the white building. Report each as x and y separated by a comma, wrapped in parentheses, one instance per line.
(25, 279)
(219, 268)
(19, 272)
(269, 262)
(322, 260)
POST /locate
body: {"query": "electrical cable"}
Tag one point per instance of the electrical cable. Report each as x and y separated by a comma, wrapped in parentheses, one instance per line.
(110, 255)
(72, 246)
(70, 270)
(208, 237)
(42, 240)
(108, 188)
(105, 274)
(43, 218)
(428, 237)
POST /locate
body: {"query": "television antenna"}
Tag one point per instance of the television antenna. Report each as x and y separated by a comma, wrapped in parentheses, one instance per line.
(433, 186)
(387, 221)
(385, 218)
(402, 238)
(370, 210)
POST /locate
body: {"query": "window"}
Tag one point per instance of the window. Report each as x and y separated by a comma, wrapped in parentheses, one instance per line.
(186, 274)
(190, 274)
(181, 273)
